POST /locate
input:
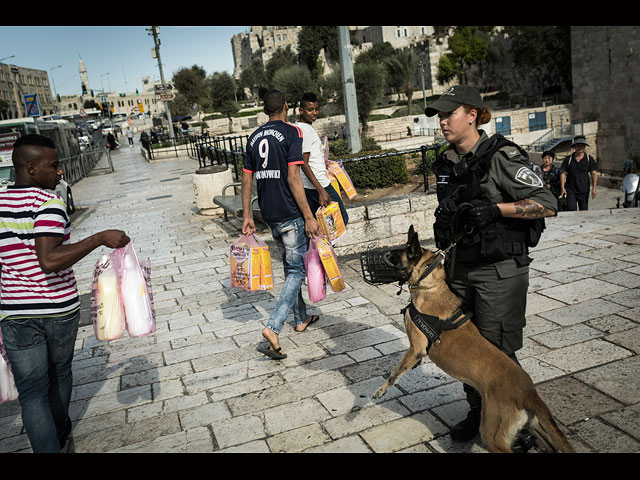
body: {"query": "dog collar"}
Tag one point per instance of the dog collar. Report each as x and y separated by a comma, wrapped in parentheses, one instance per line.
(428, 270)
(433, 326)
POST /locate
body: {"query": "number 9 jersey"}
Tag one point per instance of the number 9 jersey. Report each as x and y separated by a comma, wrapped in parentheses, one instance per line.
(269, 152)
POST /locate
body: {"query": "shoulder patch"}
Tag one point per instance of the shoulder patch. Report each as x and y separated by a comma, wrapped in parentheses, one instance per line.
(526, 176)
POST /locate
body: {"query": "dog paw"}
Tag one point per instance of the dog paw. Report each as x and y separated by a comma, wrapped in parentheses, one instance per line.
(379, 393)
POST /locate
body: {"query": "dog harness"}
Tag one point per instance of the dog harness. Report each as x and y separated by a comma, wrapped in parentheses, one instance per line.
(433, 326)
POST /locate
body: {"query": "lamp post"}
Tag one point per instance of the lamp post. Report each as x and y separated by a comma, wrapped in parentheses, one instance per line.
(54, 86)
(154, 32)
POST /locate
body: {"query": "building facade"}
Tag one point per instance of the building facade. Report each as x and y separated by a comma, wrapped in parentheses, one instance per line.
(15, 82)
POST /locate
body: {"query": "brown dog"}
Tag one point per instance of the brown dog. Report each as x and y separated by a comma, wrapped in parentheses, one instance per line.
(509, 398)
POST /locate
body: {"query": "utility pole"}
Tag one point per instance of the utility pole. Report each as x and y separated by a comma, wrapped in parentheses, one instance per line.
(349, 89)
(154, 31)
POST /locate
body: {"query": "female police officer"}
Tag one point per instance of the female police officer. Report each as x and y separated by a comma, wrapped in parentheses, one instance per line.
(492, 205)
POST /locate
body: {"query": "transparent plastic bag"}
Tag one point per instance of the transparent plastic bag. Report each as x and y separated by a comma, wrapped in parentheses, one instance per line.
(135, 291)
(250, 263)
(316, 282)
(8, 391)
(107, 311)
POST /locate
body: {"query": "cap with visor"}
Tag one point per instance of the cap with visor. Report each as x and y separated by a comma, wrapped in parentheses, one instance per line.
(454, 97)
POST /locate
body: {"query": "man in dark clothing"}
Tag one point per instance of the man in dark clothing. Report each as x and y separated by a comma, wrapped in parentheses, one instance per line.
(574, 176)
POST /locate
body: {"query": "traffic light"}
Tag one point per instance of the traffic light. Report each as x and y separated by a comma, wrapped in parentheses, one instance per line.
(84, 89)
(137, 92)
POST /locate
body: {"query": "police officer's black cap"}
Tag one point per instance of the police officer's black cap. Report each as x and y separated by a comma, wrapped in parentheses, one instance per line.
(452, 98)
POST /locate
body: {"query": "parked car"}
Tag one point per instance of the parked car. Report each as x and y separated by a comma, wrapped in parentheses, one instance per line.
(63, 189)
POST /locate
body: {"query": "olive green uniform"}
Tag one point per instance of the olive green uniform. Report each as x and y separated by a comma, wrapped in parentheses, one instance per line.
(496, 292)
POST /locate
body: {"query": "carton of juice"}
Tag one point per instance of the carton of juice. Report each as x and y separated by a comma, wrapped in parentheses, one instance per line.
(240, 261)
(250, 263)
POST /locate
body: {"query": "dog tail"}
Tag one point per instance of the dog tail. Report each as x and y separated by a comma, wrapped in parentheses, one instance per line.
(544, 428)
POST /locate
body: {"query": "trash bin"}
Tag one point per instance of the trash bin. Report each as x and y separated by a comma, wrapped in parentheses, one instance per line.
(209, 182)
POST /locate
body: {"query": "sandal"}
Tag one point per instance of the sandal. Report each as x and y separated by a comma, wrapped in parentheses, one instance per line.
(312, 319)
(275, 353)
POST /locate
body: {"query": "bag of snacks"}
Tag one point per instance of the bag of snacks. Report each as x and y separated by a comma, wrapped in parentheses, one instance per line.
(330, 263)
(250, 263)
(331, 221)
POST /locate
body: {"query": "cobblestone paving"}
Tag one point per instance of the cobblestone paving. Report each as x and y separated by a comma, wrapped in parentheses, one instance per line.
(199, 385)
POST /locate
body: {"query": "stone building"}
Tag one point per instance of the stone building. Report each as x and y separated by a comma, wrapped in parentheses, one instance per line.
(605, 67)
(261, 42)
(15, 82)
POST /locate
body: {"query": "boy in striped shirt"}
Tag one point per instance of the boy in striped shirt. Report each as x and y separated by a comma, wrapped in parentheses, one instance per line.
(39, 303)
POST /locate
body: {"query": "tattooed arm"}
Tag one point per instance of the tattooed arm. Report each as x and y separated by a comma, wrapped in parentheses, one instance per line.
(527, 208)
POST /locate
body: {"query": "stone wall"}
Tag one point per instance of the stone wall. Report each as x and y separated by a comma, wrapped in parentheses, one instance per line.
(605, 63)
(385, 222)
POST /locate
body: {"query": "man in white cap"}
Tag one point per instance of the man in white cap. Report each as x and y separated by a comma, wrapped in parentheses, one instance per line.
(574, 176)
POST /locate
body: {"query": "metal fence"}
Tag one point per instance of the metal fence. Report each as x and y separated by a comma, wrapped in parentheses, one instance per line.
(229, 151)
(79, 166)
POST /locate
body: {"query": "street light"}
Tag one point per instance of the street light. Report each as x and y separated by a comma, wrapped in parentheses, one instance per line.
(54, 86)
(6, 58)
(101, 84)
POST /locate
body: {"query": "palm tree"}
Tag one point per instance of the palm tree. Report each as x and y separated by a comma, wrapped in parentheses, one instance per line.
(403, 66)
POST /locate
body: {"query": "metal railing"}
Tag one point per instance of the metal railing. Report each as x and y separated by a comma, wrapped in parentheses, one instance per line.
(213, 151)
(80, 166)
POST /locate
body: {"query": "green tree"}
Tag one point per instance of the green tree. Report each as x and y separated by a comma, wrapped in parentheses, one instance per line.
(293, 81)
(370, 84)
(223, 98)
(467, 47)
(547, 49)
(192, 84)
(311, 40)
(402, 67)
(254, 77)
(281, 58)
(378, 53)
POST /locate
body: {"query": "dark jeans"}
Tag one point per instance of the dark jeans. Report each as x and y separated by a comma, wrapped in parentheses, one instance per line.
(314, 203)
(577, 201)
(40, 351)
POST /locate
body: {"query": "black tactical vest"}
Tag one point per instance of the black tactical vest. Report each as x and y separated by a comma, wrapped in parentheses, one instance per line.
(460, 182)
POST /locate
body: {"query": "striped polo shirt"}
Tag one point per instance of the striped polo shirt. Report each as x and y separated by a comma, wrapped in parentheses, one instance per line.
(27, 212)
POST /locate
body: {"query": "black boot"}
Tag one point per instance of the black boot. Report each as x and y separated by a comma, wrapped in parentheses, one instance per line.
(524, 442)
(467, 428)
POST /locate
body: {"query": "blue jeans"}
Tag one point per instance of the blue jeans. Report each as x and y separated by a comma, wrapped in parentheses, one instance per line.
(291, 241)
(40, 351)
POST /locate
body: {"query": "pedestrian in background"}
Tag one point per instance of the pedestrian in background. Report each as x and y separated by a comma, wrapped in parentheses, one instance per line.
(550, 174)
(317, 186)
(130, 137)
(274, 156)
(574, 178)
(39, 302)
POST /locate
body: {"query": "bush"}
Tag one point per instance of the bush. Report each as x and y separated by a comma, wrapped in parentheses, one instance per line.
(372, 173)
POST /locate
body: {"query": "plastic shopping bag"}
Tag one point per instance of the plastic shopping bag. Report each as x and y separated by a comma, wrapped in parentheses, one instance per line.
(250, 263)
(315, 273)
(330, 263)
(135, 291)
(107, 310)
(8, 391)
(339, 172)
(331, 221)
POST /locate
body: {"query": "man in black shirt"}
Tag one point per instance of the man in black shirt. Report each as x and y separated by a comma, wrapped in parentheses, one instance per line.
(574, 176)
(274, 156)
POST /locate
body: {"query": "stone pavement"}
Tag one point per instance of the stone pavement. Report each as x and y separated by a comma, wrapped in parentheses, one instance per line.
(198, 384)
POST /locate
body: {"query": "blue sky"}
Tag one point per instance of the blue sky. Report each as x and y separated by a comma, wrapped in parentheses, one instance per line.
(124, 52)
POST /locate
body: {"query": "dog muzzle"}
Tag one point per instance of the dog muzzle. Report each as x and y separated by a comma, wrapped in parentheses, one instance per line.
(383, 265)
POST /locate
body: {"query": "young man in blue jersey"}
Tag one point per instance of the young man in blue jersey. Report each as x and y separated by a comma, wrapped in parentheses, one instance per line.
(274, 156)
